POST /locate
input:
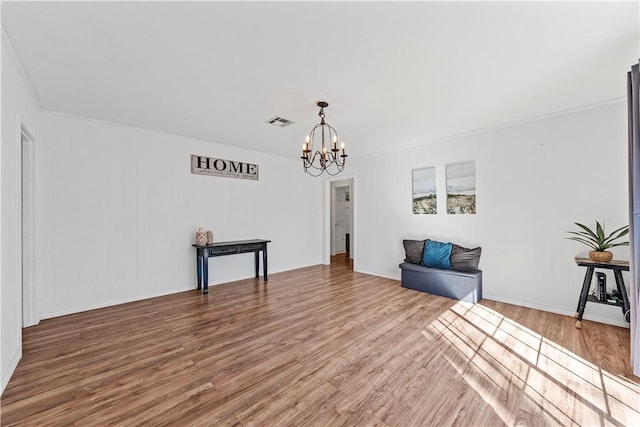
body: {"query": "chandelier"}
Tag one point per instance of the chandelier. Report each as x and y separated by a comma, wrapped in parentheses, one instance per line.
(328, 157)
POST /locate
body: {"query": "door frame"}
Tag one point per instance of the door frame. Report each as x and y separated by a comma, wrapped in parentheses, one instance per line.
(328, 216)
(30, 315)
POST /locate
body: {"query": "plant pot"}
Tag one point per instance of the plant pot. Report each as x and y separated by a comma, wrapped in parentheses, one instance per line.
(597, 256)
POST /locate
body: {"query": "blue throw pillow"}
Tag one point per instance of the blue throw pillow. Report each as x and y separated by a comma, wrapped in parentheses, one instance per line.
(436, 254)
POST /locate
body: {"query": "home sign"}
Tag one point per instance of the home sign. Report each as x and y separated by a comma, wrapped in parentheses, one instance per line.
(201, 165)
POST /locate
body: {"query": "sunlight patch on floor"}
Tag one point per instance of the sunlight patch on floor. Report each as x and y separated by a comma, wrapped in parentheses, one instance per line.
(524, 376)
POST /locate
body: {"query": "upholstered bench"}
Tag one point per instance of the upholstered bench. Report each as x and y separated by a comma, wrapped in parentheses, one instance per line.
(460, 285)
(444, 269)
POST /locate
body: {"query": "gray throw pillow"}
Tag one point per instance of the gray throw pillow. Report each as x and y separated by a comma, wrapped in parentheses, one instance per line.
(465, 259)
(413, 250)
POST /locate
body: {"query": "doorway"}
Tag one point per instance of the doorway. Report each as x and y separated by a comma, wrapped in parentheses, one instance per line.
(340, 219)
(340, 237)
(27, 150)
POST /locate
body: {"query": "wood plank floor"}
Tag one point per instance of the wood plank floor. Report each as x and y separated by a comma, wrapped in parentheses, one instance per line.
(321, 346)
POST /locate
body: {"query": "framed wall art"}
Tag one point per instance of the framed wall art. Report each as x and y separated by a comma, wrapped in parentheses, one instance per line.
(424, 191)
(461, 188)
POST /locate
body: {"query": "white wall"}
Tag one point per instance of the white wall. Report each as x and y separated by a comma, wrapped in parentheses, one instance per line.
(118, 208)
(533, 181)
(18, 109)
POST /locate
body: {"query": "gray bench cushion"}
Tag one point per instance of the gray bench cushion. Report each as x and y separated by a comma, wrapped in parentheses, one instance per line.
(465, 286)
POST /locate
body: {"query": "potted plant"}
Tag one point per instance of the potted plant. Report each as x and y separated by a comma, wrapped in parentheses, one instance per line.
(599, 241)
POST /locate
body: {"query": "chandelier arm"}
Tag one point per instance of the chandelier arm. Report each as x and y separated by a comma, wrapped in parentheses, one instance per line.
(338, 170)
(311, 172)
(311, 163)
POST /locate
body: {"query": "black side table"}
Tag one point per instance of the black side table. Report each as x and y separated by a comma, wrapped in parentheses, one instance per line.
(617, 267)
(204, 252)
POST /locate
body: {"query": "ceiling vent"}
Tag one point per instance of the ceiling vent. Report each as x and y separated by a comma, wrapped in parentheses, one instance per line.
(279, 121)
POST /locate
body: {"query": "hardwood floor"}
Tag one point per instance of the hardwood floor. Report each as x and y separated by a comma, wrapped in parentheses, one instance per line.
(321, 346)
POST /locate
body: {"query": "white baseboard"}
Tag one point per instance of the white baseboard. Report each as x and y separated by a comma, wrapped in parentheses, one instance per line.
(49, 315)
(551, 309)
(558, 310)
(8, 373)
(114, 302)
(357, 270)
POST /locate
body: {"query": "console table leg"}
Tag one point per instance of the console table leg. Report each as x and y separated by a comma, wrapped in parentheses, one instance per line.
(199, 268)
(583, 295)
(264, 263)
(205, 273)
(257, 263)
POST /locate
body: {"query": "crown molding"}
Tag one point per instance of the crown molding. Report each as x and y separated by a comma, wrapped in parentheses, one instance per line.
(6, 44)
(479, 131)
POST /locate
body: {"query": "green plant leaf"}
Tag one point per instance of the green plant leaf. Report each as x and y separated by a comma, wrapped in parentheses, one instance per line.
(623, 231)
(613, 245)
(587, 229)
(626, 227)
(584, 235)
(583, 241)
(597, 240)
(600, 232)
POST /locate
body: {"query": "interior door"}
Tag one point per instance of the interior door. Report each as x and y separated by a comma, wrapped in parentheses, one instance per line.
(340, 220)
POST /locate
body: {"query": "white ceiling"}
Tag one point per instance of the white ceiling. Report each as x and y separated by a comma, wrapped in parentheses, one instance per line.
(394, 74)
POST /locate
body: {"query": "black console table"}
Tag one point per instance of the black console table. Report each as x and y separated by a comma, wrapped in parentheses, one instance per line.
(617, 267)
(203, 252)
